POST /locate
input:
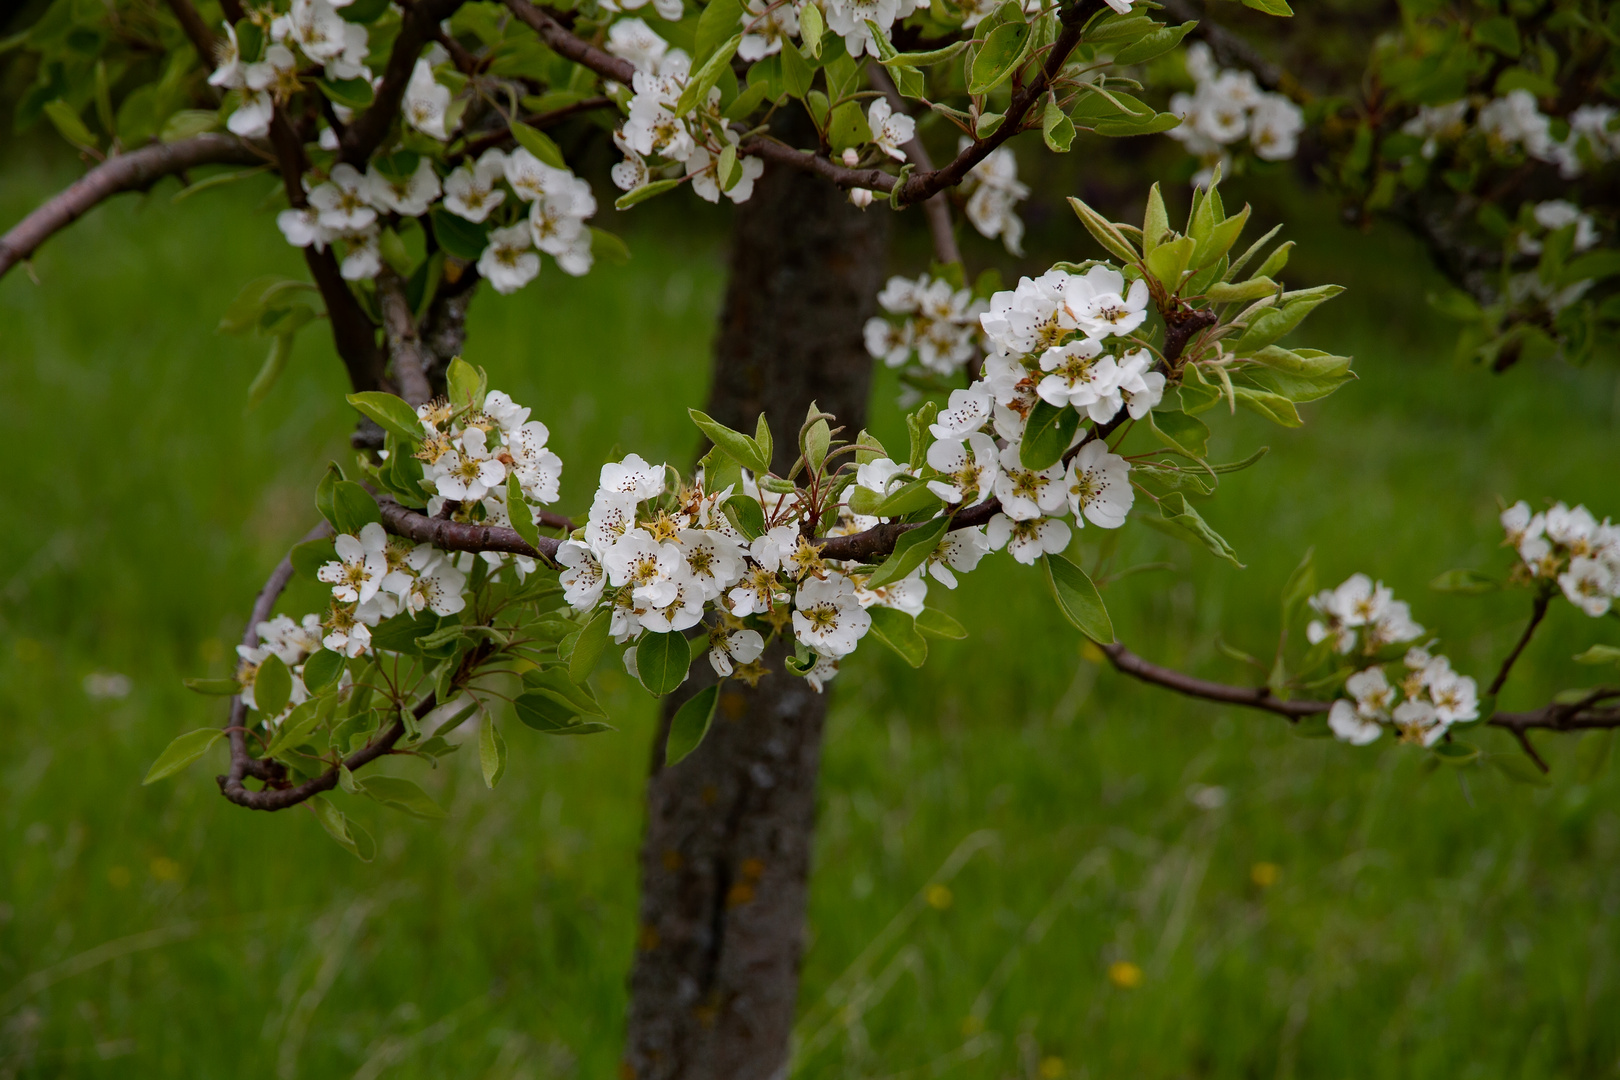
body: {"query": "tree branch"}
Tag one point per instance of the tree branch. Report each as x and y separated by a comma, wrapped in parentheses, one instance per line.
(405, 346)
(136, 170)
(420, 26)
(564, 42)
(202, 38)
(241, 763)
(503, 135)
(462, 536)
(1537, 612)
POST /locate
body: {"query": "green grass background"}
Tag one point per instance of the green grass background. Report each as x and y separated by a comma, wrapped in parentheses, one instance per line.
(1423, 924)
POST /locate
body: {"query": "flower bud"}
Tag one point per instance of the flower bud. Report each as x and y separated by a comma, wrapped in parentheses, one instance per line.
(861, 197)
(851, 158)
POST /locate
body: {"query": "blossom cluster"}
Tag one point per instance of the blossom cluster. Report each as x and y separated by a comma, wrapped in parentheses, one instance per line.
(1570, 547)
(993, 193)
(1420, 707)
(939, 325)
(1515, 124)
(348, 206)
(376, 576)
(1361, 613)
(312, 27)
(468, 456)
(292, 643)
(1226, 106)
(655, 139)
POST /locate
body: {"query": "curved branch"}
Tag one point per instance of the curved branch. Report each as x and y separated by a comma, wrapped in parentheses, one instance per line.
(202, 38)
(133, 171)
(241, 763)
(567, 44)
(461, 536)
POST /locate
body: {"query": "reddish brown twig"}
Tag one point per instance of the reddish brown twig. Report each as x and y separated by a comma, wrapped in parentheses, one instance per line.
(419, 27)
(568, 44)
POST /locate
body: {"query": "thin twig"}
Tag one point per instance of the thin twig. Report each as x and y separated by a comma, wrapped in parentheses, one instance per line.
(1537, 612)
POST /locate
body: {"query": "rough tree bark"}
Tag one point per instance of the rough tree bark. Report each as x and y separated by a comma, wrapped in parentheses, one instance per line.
(726, 857)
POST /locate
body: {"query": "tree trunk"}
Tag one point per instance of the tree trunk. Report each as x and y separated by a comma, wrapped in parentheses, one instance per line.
(726, 858)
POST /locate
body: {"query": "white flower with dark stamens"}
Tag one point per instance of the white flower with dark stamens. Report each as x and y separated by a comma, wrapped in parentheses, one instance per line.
(468, 470)
(1455, 697)
(1101, 304)
(633, 476)
(757, 593)
(682, 613)
(890, 130)
(1348, 725)
(436, 585)
(773, 549)
(343, 202)
(1573, 529)
(1027, 494)
(882, 475)
(345, 634)
(1032, 318)
(363, 259)
(967, 411)
(887, 341)
(766, 24)
(228, 71)
(828, 617)
(909, 595)
(1274, 127)
(251, 120)
(1081, 376)
(539, 471)
(1098, 485)
(509, 262)
(410, 196)
(1590, 585)
(361, 564)
(1392, 624)
(635, 41)
(1141, 387)
(992, 206)
(1518, 523)
(960, 550)
(314, 26)
(901, 296)
(1373, 693)
(508, 414)
(426, 103)
(725, 646)
(1418, 722)
(968, 468)
(822, 673)
(714, 562)
(303, 228)
(632, 172)
(471, 191)
(583, 577)
(612, 514)
(655, 571)
(1028, 540)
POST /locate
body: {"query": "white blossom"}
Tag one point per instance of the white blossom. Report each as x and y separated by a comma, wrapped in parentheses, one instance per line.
(357, 573)
(1350, 726)
(582, 579)
(743, 646)
(1590, 585)
(509, 262)
(1027, 494)
(1101, 304)
(1098, 486)
(426, 102)
(633, 476)
(471, 191)
(961, 549)
(342, 203)
(828, 617)
(410, 195)
(1027, 540)
(890, 130)
(968, 469)
(1079, 374)
(766, 24)
(653, 570)
(992, 206)
(965, 412)
(363, 259)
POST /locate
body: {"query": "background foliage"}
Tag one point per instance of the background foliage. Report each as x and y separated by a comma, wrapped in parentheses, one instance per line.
(1409, 924)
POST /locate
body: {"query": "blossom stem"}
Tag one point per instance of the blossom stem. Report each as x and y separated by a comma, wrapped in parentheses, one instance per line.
(1537, 612)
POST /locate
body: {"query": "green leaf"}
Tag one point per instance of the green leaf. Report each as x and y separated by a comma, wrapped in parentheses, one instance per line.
(560, 687)
(899, 632)
(544, 712)
(491, 753)
(68, 124)
(706, 77)
(848, 127)
(922, 59)
(745, 451)
(910, 552)
(520, 513)
(661, 662)
(1500, 33)
(797, 74)
(1186, 433)
(645, 192)
(464, 239)
(1272, 323)
(1169, 261)
(353, 508)
(214, 687)
(272, 686)
(717, 23)
(1003, 50)
(1274, 407)
(1153, 45)
(275, 362)
(538, 143)
(189, 122)
(690, 724)
(390, 412)
(909, 498)
(1253, 289)
(354, 839)
(1470, 582)
(400, 794)
(182, 752)
(1048, 434)
(811, 28)
(588, 647)
(745, 514)
(1155, 223)
(350, 93)
(1270, 7)
(1056, 128)
(1597, 654)
(298, 725)
(1455, 752)
(935, 623)
(1078, 599)
(1174, 509)
(323, 669)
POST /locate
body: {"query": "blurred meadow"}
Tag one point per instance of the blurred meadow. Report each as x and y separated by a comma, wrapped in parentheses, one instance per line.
(1028, 866)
